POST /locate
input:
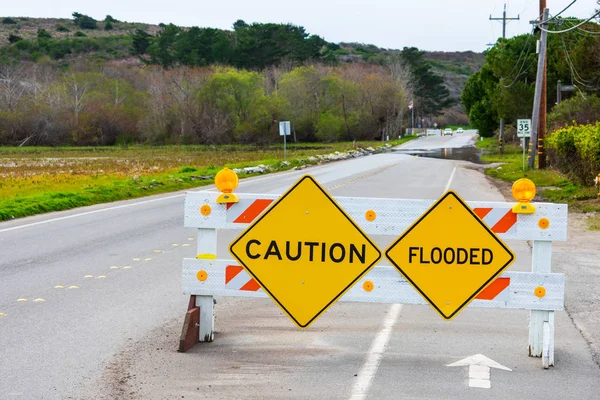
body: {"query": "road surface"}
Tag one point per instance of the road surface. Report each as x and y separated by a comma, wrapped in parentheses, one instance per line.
(104, 308)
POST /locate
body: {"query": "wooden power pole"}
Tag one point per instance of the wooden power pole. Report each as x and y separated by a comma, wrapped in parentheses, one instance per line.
(543, 105)
(539, 82)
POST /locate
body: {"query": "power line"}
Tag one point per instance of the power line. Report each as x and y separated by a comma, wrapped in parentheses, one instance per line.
(539, 25)
(564, 9)
(526, 46)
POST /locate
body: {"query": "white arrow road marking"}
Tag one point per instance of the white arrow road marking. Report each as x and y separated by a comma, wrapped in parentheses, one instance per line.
(479, 370)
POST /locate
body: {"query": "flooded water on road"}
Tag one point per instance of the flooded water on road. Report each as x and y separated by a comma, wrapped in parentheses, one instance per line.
(471, 154)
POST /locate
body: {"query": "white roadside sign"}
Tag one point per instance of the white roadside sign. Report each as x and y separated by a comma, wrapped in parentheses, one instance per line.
(523, 128)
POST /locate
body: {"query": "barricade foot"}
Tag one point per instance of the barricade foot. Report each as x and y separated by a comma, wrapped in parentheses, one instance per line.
(191, 327)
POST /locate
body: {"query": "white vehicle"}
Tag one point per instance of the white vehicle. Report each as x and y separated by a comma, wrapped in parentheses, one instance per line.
(459, 130)
(448, 131)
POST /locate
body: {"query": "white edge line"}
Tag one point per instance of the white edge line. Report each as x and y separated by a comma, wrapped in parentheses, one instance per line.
(373, 359)
(450, 180)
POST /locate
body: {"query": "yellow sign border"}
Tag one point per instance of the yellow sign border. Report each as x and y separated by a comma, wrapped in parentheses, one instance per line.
(275, 204)
(417, 222)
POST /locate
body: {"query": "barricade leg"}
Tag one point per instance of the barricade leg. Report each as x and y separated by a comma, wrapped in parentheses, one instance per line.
(207, 318)
(189, 333)
(207, 249)
(541, 323)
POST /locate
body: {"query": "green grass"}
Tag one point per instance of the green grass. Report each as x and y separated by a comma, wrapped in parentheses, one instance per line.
(552, 185)
(36, 180)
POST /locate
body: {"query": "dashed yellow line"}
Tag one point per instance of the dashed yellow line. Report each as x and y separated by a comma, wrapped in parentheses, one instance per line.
(114, 267)
(39, 300)
(158, 251)
(73, 287)
(101, 277)
(89, 276)
(21, 300)
(127, 267)
(136, 259)
(148, 259)
(59, 287)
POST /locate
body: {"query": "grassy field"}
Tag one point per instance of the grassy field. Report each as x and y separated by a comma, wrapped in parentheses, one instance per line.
(35, 180)
(552, 185)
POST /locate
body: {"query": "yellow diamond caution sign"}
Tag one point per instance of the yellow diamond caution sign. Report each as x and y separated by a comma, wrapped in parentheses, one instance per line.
(305, 251)
(449, 255)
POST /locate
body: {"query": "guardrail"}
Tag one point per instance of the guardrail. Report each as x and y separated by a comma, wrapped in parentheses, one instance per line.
(540, 291)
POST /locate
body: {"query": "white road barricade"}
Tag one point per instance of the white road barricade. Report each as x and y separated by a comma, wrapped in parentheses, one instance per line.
(540, 291)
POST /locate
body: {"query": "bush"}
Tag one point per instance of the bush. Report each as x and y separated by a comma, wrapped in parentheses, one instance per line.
(14, 38)
(84, 21)
(578, 110)
(108, 26)
(330, 127)
(575, 151)
(80, 34)
(43, 34)
(61, 28)
(9, 21)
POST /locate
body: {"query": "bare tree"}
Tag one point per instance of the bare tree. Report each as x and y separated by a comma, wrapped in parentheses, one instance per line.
(76, 89)
(12, 86)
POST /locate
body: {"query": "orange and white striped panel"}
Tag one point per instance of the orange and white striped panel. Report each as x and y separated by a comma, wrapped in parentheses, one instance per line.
(500, 220)
(246, 210)
(236, 278)
(497, 290)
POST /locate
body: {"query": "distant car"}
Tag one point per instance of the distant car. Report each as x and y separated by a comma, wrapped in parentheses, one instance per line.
(459, 130)
(448, 131)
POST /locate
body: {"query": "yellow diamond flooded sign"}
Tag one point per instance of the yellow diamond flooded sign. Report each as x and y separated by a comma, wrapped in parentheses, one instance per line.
(305, 251)
(449, 255)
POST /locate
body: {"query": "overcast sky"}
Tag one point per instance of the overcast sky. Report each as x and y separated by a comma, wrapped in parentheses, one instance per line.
(445, 25)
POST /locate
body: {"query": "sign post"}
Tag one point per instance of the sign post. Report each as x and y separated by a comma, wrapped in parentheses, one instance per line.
(284, 130)
(524, 132)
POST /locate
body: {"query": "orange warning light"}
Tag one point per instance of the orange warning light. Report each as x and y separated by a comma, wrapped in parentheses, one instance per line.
(227, 181)
(523, 190)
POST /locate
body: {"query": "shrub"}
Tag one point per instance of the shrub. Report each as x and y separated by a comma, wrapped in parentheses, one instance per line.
(575, 151)
(577, 110)
(9, 21)
(43, 34)
(330, 127)
(84, 21)
(80, 34)
(61, 28)
(14, 38)
(108, 26)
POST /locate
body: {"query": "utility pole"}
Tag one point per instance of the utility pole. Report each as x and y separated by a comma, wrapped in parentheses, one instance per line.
(539, 82)
(543, 104)
(504, 19)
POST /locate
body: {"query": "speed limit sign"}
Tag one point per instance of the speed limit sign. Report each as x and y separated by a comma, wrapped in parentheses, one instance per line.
(523, 128)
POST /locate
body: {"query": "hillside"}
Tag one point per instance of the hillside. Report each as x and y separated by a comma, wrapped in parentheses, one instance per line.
(88, 82)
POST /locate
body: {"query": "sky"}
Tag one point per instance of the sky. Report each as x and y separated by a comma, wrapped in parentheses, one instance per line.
(433, 25)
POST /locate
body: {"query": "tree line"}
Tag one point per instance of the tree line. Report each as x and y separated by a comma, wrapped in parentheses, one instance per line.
(205, 85)
(504, 87)
(42, 105)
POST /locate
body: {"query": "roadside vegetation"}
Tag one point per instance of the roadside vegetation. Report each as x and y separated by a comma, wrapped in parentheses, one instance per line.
(553, 184)
(35, 180)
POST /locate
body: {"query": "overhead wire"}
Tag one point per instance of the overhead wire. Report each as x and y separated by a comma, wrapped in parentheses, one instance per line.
(525, 47)
(574, 74)
(539, 25)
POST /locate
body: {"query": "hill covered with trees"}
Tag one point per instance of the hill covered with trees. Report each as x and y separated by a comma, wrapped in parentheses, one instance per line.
(86, 81)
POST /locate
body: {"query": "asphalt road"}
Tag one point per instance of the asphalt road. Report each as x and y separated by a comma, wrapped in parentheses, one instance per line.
(104, 308)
